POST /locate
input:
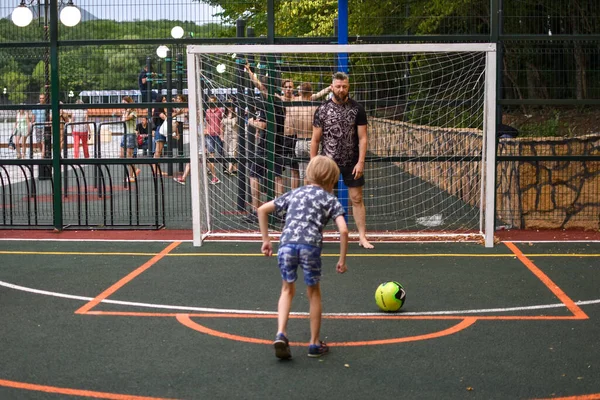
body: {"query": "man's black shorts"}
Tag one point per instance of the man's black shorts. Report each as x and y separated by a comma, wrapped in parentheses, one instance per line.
(348, 177)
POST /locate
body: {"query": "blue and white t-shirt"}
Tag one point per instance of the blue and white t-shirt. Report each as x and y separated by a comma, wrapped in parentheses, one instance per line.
(40, 117)
(308, 209)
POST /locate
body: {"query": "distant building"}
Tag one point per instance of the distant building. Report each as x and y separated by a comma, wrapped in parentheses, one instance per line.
(116, 96)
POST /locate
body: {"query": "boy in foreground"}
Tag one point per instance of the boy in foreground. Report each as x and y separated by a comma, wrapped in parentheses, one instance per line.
(307, 210)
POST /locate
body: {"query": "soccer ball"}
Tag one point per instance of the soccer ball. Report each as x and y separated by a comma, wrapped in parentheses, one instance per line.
(390, 296)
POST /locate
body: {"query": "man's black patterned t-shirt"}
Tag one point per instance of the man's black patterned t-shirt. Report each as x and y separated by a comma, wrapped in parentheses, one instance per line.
(340, 134)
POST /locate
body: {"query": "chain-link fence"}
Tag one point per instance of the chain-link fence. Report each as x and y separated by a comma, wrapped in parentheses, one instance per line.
(548, 87)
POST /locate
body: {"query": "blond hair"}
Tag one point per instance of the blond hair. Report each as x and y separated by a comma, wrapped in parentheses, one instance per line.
(322, 171)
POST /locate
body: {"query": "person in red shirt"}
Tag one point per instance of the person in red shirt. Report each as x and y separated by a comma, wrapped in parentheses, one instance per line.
(213, 135)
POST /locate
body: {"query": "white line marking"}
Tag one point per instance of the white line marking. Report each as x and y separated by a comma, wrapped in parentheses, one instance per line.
(230, 311)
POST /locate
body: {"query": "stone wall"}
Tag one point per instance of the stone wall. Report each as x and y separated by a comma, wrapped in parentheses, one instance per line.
(529, 195)
(460, 179)
(549, 194)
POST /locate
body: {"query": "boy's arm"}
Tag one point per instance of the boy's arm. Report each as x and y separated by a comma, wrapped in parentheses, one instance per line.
(255, 79)
(257, 123)
(263, 221)
(321, 93)
(341, 266)
(315, 141)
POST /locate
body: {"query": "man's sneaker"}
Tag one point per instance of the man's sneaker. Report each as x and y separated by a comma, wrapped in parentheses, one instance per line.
(282, 347)
(214, 180)
(317, 350)
(251, 218)
(181, 181)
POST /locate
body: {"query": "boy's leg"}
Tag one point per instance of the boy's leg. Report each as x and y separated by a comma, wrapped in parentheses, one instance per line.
(288, 290)
(287, 262)
(314, 300)
(316, 348)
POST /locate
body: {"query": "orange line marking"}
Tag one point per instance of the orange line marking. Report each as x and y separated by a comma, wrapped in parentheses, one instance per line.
(74, 392)
(594, 396)
(123, 281)
(558, 292)
(465, 323)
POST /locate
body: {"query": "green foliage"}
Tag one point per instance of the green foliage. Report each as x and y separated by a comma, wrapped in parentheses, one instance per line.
(530, 71)
(449, 17)
(15, 84)
(88, 67)
(306, 18)
(38, 76)
(548, 128)
(253, 11)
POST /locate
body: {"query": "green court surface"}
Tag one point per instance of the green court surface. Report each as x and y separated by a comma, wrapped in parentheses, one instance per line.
(145, 320)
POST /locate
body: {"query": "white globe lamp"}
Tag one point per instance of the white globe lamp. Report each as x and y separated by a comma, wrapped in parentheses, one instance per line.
(22, 16)
(177, 32)
(161, 51)
(70, 15)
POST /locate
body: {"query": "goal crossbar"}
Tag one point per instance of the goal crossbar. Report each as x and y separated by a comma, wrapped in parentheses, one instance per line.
(343, 48)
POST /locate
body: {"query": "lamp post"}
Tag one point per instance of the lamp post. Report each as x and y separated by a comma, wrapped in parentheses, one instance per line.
(177, 33)
(164, 52)
(48, 16)
(69, 16)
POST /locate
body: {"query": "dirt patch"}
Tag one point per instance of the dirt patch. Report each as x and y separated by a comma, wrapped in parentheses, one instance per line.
(557, 121)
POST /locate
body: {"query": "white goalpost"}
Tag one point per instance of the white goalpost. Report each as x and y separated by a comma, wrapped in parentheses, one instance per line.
(431, 108)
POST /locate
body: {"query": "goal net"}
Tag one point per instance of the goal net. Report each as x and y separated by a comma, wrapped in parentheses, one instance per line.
(431, 146)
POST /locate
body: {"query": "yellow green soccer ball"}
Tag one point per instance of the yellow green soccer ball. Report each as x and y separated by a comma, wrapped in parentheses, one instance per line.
(390, 296)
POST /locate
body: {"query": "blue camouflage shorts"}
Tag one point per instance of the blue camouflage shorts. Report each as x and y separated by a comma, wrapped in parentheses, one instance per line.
(291, 256)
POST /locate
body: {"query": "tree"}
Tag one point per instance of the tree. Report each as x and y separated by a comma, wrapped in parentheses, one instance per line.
(16, 84)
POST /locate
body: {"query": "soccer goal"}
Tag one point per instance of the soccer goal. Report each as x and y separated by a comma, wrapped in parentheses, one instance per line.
(431, 144)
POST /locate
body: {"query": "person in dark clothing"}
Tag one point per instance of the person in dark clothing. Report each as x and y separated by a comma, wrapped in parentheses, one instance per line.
(506, 132)
(144, 85)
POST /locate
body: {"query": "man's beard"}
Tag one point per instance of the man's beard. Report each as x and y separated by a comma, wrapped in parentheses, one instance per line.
(340, 99)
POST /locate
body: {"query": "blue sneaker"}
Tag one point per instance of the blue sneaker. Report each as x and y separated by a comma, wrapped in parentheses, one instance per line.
(317, 350)
(282, 347)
